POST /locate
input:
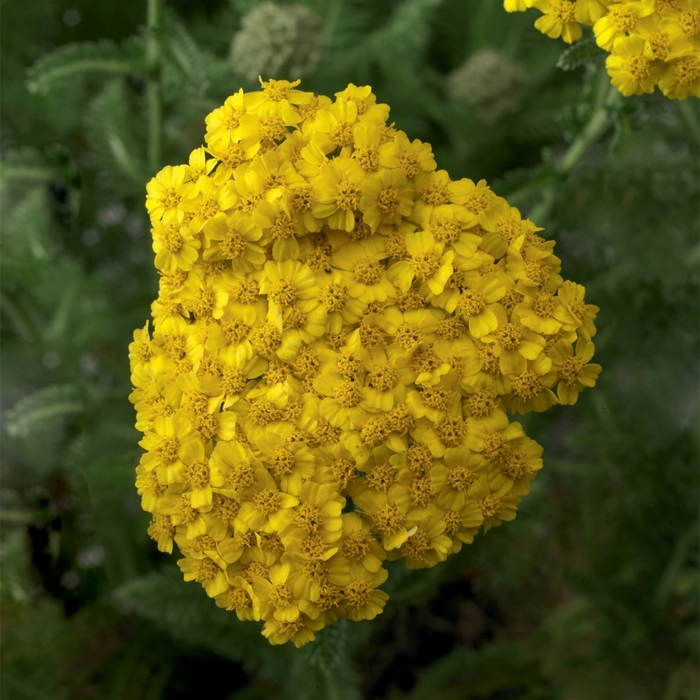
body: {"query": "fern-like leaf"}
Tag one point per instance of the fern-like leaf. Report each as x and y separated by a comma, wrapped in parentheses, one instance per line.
(184, 52)
(43, 406)
(74, 61)
(582, 53)
(111, 133)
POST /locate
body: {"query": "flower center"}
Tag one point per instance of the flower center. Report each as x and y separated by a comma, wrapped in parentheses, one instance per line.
(383, 377)
(452, 431)
(356, 545)
(424, 265)
(638, 68)
(272, 129)
(435, 194)
(185, 513)
(367, 271)
(489, 362)
(420, 491)
(347, 196)
(571, 370)
(368, 158)
(389, 519)
(471, 303)
(266, 339)
(461, 477)
(494, 446)
(408, 335)
(347, 394)
(374, 431)
(237, 599)
(453, 521)
(308, 517)
(690, 22)
(233, 381)
(515, 464)
(283, 293)
(167, 449)
(621, 18)
(232, 246)
(659, 45)
(564, 10)
(342, 134)
(481, 403)
(526, 385)
(381, 476)
(543, 305)
(490, 506)
(197, 474)
(357, 593)
(234, 330)
(419, 458)
(388, 201)
(280, 596)
(436, 397)
(333, 297)
(282, 462)
(283, 228)
(446, 230)
(510, 336)
(410, 163)
(205, 569)
(417, 545)
(344, 471)
(687, 69)
(267, 501)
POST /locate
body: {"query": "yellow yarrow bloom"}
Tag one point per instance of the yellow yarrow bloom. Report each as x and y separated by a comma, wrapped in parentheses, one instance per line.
(650, 42)
(339, 330)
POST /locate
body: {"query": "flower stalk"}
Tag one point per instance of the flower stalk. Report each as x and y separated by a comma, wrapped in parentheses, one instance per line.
(153, 88)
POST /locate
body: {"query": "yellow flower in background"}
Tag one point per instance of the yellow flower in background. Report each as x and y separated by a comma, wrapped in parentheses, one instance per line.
(651, 42)
(339, 330)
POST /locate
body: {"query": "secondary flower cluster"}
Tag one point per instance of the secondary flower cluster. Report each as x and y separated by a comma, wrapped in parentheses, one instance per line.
(651, 42)
(339, 331)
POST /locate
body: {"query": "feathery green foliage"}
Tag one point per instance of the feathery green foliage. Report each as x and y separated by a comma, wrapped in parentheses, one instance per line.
(592, 592)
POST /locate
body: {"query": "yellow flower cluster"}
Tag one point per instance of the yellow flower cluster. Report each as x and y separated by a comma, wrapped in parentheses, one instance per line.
(339, 331)
(651, 42)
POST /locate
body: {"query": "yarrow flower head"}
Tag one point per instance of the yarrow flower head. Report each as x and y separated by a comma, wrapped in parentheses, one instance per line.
(489, 82)
(340, 334)
(277, 39)
(651, 42)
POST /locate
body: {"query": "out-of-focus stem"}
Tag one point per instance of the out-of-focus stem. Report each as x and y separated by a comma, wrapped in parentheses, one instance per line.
(153, 89)
(597, 126)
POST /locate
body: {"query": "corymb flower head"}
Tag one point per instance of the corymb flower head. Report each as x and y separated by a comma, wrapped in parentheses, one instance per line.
(340, 335)
(650, 42)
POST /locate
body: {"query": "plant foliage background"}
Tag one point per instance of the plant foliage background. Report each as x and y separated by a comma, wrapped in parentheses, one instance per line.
(591, 593)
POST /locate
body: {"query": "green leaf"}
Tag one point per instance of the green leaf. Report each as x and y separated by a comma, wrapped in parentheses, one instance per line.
(112, 134)
(583, 53)
(43, 406)
(26, 222)
(27, 166)
(77, 60)
(186, 612)
(183, 50)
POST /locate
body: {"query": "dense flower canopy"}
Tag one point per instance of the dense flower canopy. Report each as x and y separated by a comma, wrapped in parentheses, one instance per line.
(651, 42)
(339, 335)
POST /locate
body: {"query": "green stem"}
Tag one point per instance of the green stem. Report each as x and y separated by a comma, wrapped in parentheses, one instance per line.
(331, 22)
(690, 115)
(153, 89)
(597, 126)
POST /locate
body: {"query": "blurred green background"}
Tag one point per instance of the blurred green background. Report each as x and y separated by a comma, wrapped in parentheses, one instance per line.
(591, 593)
